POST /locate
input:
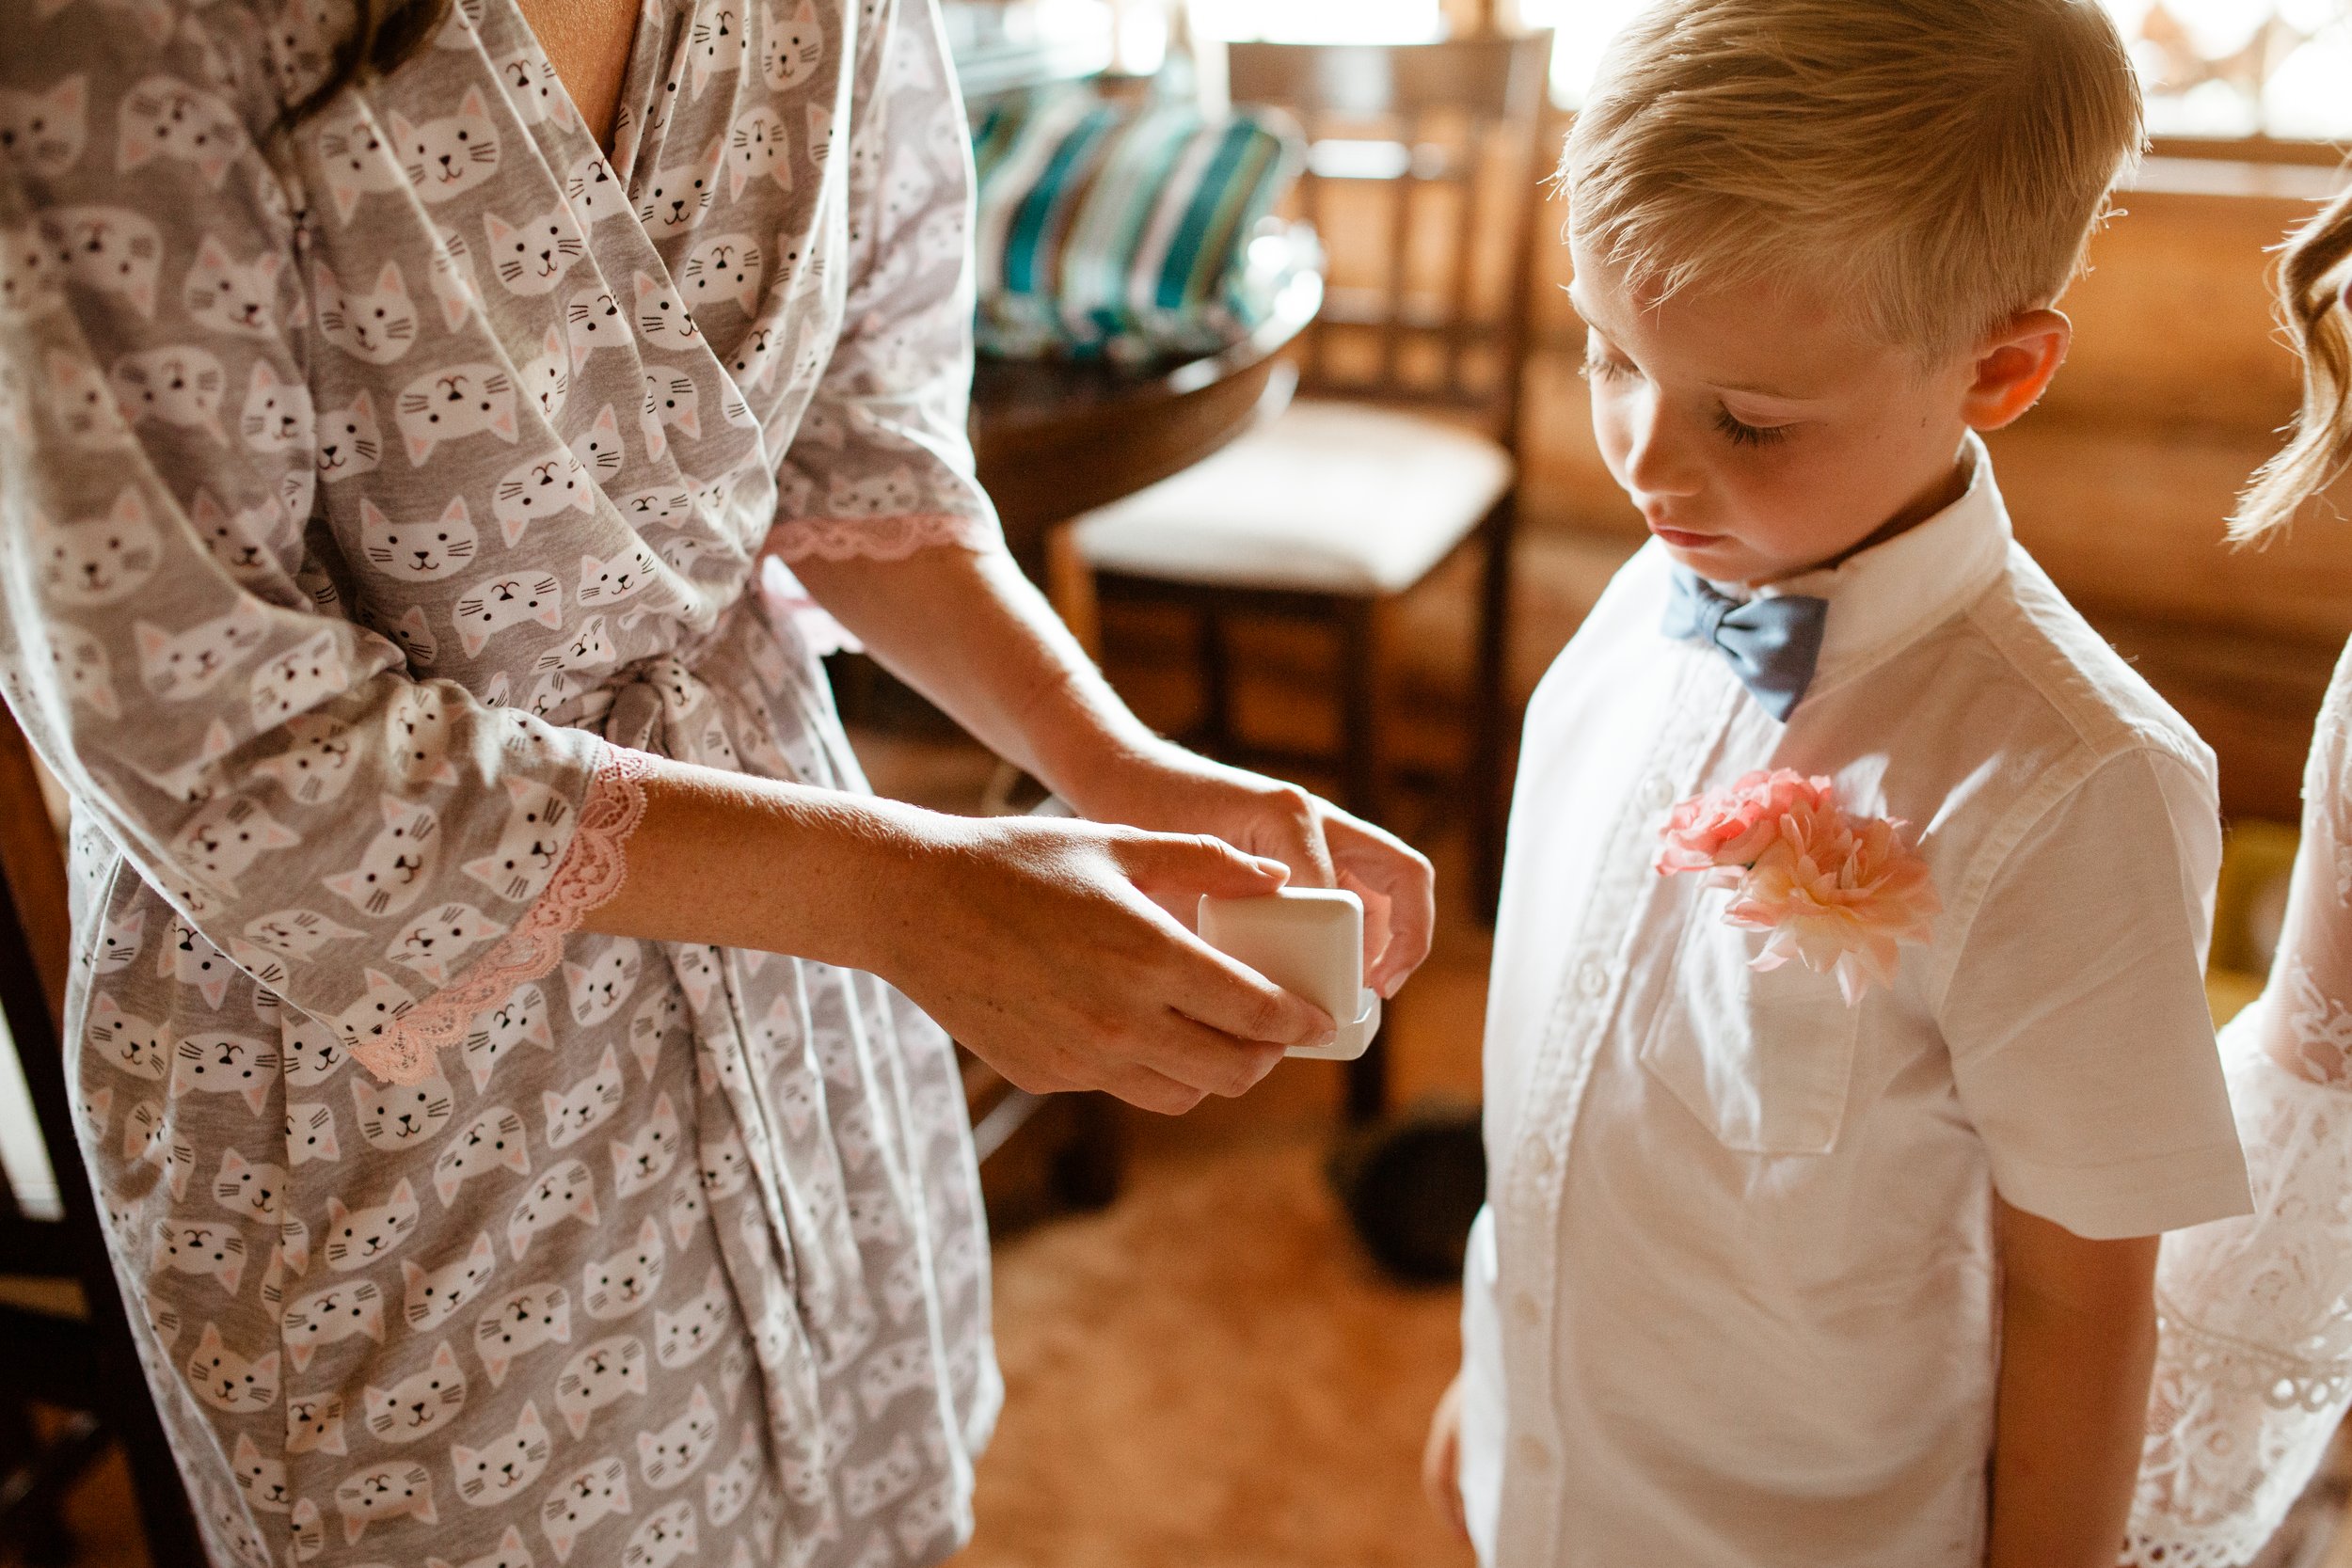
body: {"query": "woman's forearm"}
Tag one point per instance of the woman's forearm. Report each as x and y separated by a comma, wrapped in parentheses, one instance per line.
(1035, 942)
(739, 862)
(972, 635)
(2078, 1341)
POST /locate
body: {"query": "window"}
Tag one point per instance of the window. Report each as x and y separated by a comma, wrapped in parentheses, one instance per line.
(2237, 68)
(2212, 67)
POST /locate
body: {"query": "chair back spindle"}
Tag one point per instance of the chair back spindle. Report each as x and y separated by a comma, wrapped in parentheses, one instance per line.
(1428, 154)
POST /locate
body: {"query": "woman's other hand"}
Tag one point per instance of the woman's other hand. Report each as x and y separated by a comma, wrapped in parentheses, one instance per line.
(1168, 789)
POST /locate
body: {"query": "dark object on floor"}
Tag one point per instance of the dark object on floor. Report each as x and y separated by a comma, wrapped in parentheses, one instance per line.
(1411, 1185)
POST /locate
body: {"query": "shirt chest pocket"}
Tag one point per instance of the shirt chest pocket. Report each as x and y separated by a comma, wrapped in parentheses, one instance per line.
(1762, 1057)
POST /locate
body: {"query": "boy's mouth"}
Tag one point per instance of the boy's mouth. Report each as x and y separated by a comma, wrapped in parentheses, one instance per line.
(1682, 539)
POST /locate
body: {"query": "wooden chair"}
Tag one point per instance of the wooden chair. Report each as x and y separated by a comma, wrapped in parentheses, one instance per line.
(1399, 453)
(64, 1339)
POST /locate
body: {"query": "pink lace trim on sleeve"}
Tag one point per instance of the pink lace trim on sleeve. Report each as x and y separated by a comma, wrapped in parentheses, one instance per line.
(591, 872)
(879, 538)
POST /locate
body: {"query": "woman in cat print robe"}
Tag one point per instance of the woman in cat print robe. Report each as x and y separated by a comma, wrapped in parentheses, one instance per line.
(383, 497)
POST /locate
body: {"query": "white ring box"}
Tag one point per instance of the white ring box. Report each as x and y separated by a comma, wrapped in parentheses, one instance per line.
(1311, 942)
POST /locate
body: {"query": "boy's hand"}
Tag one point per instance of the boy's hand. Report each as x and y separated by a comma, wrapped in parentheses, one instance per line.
(1441, 1459)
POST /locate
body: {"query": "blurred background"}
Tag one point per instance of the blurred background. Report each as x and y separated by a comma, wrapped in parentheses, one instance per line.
(1280, 398)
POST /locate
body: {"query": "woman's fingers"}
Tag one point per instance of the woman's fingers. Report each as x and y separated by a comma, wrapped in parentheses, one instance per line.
(1375, 861)
(1185, 865)
(1148, 1090)
(1233, 999)
(1210, 1059)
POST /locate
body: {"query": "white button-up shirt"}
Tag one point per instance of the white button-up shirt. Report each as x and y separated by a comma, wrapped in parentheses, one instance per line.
(1733, 1301)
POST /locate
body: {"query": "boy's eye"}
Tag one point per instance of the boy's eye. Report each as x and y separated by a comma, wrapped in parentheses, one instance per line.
(1741, 434)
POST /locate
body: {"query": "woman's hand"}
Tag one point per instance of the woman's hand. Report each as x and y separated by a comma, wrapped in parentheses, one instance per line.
(1041, 943)
(1168, 789)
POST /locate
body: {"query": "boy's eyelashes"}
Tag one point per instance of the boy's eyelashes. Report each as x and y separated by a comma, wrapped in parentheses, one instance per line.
(1600, 366)
(1741, 434)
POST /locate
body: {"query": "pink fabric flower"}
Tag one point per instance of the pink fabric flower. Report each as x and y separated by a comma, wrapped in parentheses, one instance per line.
(1837, 894)
(1730, 827)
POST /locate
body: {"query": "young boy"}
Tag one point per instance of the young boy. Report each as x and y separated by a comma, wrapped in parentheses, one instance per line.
(1768, 1275)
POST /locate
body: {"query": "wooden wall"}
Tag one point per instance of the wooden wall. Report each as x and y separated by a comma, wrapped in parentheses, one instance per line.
(2120, 482)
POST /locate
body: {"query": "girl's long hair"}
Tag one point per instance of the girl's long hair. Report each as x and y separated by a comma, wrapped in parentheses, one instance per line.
(386, 33)
(2312, 310)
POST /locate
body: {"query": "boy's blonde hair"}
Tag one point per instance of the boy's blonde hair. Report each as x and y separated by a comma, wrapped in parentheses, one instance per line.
(1941, 162)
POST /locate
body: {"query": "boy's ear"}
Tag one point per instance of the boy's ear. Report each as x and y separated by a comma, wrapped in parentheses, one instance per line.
(2014, 366)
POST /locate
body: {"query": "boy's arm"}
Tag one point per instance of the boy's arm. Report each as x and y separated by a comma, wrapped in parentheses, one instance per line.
(2078, 1339)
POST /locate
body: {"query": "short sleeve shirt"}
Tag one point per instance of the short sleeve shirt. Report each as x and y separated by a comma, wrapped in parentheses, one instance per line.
(1733, 1300)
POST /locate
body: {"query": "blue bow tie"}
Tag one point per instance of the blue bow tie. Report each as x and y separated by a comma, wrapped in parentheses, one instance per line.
(1773, 643)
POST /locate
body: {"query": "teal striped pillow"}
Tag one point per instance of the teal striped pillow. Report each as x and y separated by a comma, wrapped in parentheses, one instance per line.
(1105, 228)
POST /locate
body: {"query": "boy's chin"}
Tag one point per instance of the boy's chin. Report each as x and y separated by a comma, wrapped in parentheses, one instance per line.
(1723, 559)
(1720, 559)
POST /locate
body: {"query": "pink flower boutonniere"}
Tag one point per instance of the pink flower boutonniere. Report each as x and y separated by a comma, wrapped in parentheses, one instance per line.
(1837, 893)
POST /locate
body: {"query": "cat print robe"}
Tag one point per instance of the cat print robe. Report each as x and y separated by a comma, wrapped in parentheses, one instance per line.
(375, 493)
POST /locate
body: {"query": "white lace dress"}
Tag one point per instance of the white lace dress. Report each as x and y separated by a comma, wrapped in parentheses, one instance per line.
(2254, 1370)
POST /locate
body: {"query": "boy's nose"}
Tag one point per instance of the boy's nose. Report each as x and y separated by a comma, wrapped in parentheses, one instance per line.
(1654, 464)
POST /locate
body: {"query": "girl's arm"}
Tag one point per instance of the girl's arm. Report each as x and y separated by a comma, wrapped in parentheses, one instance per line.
(2078, 1339)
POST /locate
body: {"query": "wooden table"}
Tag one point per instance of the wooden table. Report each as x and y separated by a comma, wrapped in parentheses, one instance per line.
(1055, 439)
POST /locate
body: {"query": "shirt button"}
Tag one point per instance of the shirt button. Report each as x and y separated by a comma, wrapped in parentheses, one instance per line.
(1593, 978)
(1534, 1452)
(1658, 792)
(1525, 1307)
(1539, 1155)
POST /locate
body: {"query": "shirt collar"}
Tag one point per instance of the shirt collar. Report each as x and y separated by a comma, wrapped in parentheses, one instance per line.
(1886, 597)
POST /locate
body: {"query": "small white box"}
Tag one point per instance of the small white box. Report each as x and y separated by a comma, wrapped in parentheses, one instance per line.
(1311, 942)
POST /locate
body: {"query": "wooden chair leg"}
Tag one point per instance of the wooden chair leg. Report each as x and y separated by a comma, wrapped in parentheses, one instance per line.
(1069, 588)
(1360, 792)
(30, 1492)
(1359, 707)
(1217, 683)
(1490, 701)
(1087, 1170)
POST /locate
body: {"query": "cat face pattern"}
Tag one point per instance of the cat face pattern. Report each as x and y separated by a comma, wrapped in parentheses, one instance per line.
(358, 1238)
(377, 324)
(237, 1385)
(328, 1316)
(45, 132)
(418, 1405)
(111, 250)
(350, 442)
(451, 153)
(340, 1246)
(496, 1474)
(519, 1323)
(99, 560)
